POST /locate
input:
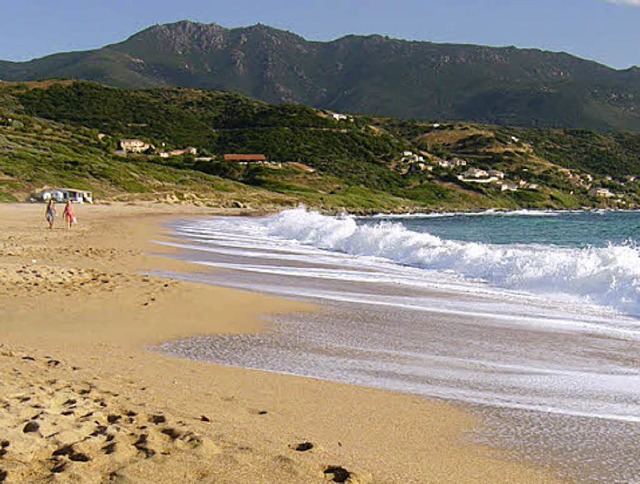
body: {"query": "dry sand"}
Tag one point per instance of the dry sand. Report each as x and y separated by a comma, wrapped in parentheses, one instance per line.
(82, 399)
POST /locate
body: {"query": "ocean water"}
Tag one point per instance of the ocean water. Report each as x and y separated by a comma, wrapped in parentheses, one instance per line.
(532, 319)
(554, 228)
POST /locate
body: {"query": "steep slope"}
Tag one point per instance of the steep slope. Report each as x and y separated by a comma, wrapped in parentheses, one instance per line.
(373, 74)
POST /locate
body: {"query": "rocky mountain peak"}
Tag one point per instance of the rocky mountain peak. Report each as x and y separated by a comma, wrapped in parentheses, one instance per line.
(367, 74)
(181, 37)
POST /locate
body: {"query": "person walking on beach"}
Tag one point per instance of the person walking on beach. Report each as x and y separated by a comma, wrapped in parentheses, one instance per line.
(50, 213)
(69, 215)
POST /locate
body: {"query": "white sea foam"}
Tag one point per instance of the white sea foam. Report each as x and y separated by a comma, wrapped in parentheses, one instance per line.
(490, 212)
(494, 325)
(608, 276)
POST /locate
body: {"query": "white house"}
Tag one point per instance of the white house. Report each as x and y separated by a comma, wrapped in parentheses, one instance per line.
(77, 196)
(418, 167)
(411, 157)
(47, 195)
(64, 195)
(134, 146)
(601, 192)
(453, 163)
(511, 187)
(475, 173)
(526, 185)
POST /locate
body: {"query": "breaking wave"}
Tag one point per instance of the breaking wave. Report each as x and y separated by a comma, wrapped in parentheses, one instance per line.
(490, 212)
(608, 276)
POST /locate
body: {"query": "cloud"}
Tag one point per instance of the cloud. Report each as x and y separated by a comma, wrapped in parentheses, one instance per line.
(630, 3)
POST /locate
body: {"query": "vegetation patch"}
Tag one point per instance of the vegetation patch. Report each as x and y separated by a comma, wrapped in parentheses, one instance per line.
(68, 134)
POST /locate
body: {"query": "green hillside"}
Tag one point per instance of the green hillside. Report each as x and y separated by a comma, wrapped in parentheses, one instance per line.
(362, 74)
(67, 133)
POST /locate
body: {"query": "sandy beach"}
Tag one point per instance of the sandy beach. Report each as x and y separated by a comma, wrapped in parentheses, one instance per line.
(83, 398)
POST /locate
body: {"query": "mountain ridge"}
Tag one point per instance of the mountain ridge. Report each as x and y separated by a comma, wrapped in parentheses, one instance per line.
(370, 74)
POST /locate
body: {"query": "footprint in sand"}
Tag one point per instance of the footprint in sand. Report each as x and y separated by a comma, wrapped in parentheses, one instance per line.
(157, 419)
(113, 418)
(72, 431)
(110, 448)
(337, 473)
(303, 447)
(142, 446)
(70, 452)
(31, 427)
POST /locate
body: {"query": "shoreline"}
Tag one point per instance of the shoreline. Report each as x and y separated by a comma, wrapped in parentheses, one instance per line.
(88, 308)
(497, 211)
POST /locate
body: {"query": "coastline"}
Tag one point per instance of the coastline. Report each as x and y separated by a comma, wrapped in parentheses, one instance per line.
(84, 304)
(496, 211)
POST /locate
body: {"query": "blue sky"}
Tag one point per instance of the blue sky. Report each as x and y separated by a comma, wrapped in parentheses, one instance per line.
(604, 30)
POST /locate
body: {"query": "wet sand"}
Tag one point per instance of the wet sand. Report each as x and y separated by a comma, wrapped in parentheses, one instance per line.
(555, 385)
(83, 399)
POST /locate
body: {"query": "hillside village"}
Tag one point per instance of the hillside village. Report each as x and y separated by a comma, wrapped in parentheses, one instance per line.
(55, 133)
(410, 163)
(515, 176)
(138, 147)
(423, 162)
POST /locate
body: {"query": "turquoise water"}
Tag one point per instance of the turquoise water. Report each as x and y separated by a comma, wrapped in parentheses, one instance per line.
(563, 229)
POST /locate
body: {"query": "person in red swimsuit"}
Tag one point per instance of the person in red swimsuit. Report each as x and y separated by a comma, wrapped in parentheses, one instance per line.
(69, 215)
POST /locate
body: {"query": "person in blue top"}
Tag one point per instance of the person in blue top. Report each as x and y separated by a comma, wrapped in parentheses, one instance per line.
(50, 213)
